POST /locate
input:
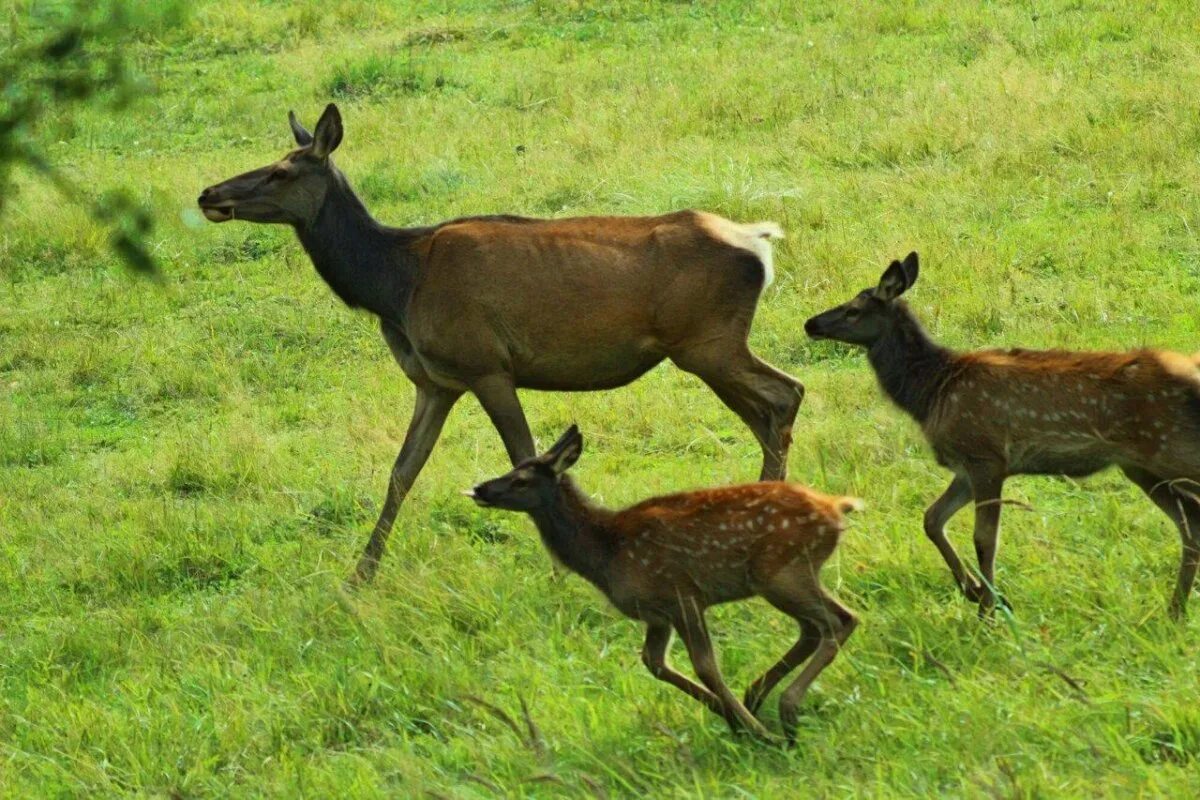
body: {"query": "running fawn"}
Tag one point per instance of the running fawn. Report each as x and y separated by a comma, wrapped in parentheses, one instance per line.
(667, 559)
(995, 413)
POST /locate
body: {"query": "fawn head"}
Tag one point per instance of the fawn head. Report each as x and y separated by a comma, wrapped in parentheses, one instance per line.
(290, 190)
(871, 313)
(533, 483)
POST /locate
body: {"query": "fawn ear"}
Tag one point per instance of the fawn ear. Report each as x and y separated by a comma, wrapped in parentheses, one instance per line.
(911, 266)
(328, 134)
(894, 281)
(301, 134)
(565, 451)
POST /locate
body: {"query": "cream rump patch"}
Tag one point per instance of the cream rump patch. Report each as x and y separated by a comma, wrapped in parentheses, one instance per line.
(754, 237)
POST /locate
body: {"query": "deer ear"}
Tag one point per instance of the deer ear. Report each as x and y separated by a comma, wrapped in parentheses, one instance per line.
(328, 134)
(565, 451)
(911, 268)
(893, 283)
(303, 137)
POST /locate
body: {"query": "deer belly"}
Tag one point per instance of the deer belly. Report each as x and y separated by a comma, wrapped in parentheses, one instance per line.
(1073, 453)
(662, 589)
(584, 366)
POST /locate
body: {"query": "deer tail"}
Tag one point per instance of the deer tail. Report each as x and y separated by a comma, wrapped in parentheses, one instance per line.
(848, 504)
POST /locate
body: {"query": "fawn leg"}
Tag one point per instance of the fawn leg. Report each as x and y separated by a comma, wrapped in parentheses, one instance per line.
(1185, 513)
(836, 623)
(810, 637)
(432, 406)
(654, 656)
(987, 486)
(694, 633)
(936, 516)
(498, 396)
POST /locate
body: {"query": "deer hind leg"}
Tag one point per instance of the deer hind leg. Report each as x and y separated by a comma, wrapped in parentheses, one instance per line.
(804, 647)
(835, 623)
(654, 656)
(936, 516)
(1181, 505)
(694, 633)
(765, 398)
(432, 406)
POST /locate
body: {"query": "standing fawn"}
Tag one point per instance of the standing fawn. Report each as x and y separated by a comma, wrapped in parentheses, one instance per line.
(995, 413)
(489, 305)
(667, 559)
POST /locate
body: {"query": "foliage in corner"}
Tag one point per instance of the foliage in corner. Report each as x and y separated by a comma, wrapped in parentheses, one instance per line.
(59, 59)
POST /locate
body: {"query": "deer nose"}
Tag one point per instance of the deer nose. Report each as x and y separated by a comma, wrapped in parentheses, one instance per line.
(205, 196)
(810, 327)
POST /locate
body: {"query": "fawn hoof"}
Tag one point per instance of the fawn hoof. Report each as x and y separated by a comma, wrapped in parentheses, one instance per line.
(974, 591)
(749, 727)
(788, 720)
(1177, 612)
(363, 574)
(753, 700)
(988, 603)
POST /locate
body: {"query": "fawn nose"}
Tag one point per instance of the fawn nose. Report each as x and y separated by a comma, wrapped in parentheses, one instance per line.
(810, 327)
(478, 495)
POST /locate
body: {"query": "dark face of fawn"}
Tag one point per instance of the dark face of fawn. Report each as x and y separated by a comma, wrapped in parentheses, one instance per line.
(290, 190)
(863, 320)
(533, 483)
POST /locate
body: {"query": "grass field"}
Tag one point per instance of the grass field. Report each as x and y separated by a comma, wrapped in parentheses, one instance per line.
(188, 470)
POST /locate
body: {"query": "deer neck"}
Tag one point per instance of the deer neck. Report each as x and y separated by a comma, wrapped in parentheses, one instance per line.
(575, 532)
(911, 366)
(368, 265)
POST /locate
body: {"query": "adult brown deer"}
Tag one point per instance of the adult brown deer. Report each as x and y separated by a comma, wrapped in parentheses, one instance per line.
(493, 304)
(667, 559)
(996, 413)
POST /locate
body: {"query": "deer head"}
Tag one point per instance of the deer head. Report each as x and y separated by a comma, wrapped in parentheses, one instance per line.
(290, 190)
(871, 313)
(533, 483)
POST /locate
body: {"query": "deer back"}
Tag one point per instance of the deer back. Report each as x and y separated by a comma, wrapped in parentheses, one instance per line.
(1064, 412)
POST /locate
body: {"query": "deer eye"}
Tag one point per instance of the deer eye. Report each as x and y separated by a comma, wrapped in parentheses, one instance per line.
(852, 312)
(520, 483)
(276, 175)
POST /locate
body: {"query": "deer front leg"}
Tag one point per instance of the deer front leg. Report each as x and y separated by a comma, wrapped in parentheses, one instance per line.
(432, 406)
(654, 656)
(936, 516)
(498, 396)
(694, 633)
(987, 488)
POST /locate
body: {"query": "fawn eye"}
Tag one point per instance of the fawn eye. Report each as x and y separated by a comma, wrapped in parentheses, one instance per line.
(276, 175)
(520, 483)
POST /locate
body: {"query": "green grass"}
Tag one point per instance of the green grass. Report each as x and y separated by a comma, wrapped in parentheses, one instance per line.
(187, 472)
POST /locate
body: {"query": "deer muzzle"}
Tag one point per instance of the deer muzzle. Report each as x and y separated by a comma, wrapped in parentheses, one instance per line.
(214, 209)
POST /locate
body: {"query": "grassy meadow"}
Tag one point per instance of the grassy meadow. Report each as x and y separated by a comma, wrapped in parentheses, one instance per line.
(189, 468)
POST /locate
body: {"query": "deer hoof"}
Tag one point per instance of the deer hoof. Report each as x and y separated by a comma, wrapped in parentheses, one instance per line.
(974, 591)
(363, 574)
(988, 603)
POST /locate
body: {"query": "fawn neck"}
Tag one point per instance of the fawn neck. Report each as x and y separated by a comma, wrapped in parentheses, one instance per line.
(910, 366)
(574, 531)
(367, 265)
